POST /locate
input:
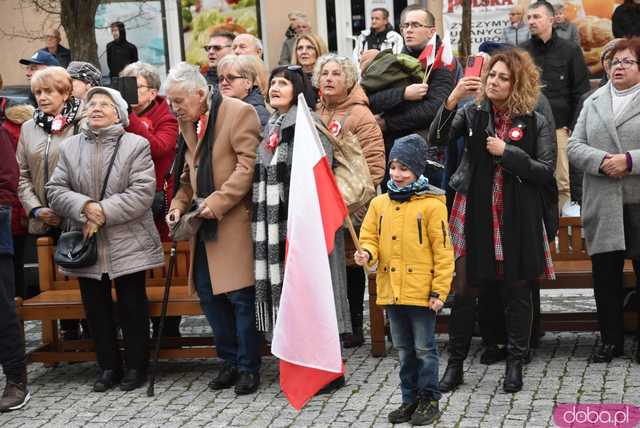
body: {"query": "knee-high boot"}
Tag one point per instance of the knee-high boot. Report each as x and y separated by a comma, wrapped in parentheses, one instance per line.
(461, 323)
(518, 316)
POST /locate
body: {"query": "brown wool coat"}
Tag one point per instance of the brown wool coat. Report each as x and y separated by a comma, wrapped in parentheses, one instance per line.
(237, 134)
(361, 123)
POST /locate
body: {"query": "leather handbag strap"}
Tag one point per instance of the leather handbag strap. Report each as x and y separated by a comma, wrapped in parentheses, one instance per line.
(113, 158)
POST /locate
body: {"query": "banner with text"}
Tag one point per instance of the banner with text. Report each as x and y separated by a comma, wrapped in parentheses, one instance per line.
(488, 20)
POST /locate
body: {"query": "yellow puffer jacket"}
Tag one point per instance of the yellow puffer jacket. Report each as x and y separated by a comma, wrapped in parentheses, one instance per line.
(411, 244)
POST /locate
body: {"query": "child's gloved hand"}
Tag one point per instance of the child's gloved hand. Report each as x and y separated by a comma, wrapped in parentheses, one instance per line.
(435, 304)
(361, 258)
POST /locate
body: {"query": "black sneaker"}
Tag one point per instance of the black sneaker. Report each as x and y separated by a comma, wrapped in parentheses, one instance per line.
(15, 396)
(332, 386)
(225, 378)
(402, 413)
(426, 413)
(133, 379)
(106, 380)
(247, 383)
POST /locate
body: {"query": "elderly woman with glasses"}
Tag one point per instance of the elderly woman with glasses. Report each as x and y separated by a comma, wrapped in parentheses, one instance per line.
(105, 156)
(605, 145)
(344, 110)
(238, 77)
(270, 201)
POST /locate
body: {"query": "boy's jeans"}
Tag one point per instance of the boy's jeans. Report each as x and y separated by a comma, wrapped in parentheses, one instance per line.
(412, 330)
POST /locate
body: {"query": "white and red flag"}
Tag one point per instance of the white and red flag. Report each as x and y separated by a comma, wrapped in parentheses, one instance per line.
(305, 337)
(428, 54)
(444, 57)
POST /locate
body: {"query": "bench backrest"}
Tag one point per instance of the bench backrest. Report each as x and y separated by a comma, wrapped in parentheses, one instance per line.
(51, 278)
(570, 243)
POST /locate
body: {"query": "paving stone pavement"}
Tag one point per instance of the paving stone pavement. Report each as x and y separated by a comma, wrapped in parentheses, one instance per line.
(558, 373)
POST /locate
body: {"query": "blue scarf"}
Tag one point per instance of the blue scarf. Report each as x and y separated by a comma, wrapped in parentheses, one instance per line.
(421, 185)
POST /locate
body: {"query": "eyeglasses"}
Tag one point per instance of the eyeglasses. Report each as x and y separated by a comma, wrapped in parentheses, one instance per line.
(144, 86)
(216, 48)
(229, 78)
(623, 63)
(414, 25)
(101, 105)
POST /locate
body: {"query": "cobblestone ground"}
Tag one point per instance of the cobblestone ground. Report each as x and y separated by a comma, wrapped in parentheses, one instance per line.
(558, 373)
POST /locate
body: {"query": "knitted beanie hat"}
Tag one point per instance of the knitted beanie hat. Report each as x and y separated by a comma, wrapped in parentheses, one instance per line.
(411, 151)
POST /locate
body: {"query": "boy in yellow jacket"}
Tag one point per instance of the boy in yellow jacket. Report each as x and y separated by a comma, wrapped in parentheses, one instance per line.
(405, 233)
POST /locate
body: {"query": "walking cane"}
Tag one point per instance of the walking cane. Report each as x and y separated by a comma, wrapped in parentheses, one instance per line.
(163, 315)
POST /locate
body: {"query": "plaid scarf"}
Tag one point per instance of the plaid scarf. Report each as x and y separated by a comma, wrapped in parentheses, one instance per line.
(269, 219)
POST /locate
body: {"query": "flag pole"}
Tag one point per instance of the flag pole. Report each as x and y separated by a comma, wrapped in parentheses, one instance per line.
(427, 74)
(352, 231)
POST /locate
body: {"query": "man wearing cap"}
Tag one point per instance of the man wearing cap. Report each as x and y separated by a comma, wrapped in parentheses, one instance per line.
(38, 61)
(84, 76)
(62, 54)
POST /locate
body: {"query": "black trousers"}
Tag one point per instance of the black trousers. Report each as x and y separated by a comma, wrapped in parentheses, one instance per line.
(355, 295)
(18, 265)
(608, 277)
(12, 355)
(133, 317)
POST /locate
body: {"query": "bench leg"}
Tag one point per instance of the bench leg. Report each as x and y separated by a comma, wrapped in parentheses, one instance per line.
(51, 336)
(376, 318)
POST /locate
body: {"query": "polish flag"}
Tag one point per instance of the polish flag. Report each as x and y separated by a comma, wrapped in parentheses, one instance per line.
(444, 57)
(305, 337)
(428, 54)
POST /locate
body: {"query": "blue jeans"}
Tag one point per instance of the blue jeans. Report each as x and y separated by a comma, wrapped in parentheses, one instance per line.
(412, 330)
(231, 317)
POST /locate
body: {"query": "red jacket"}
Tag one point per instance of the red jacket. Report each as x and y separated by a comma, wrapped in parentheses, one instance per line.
(15, 117)
(158, 125)
(9, 171)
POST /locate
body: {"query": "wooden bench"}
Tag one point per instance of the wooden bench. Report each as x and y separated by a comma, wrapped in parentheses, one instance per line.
(573, 271)
(60, 299)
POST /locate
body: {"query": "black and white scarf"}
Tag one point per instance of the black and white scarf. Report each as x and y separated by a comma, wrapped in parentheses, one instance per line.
(56, 124)
(269, 218)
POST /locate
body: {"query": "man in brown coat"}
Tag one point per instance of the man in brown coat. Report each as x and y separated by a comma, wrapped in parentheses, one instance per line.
(221, 135)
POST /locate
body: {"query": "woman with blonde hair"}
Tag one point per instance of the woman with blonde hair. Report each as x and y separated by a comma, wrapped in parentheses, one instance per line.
(306, 51)
(239, 76)
(497, 211)
(344, 110)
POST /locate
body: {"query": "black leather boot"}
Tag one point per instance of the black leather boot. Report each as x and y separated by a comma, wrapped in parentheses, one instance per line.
(461, 324)
(452, 378)
(512, 376)
(518, 317)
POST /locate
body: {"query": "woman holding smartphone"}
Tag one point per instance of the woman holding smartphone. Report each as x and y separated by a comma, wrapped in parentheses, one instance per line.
(497, 211)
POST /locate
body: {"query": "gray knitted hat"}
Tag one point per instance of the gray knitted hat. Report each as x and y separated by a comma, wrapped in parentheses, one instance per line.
(121, 104)
(410, 150)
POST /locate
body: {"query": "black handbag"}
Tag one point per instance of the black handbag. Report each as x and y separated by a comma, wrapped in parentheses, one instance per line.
(160, 205)
(74, 250)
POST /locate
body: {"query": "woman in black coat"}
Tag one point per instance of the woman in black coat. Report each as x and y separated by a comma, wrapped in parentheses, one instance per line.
(496, 221)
